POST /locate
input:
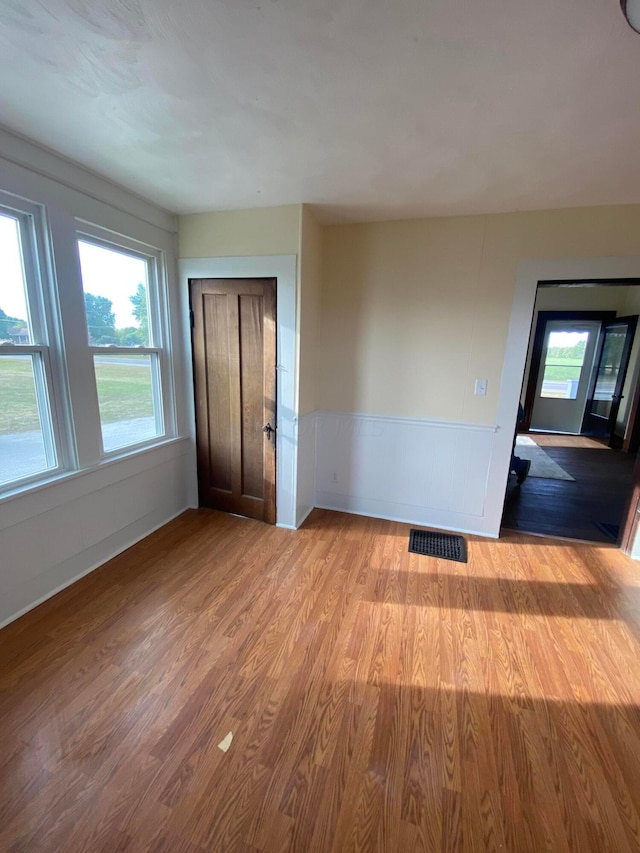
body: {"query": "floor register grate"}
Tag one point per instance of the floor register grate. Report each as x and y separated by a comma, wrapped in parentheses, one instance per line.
(446, 546)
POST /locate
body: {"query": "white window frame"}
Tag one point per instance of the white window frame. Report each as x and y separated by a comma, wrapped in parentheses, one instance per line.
(159, 332)
(45, 347)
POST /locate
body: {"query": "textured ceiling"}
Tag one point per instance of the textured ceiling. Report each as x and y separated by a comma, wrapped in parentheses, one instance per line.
(370, 109)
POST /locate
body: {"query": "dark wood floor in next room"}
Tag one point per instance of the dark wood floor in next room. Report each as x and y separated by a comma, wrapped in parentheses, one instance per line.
(378, 700)
(603, 482)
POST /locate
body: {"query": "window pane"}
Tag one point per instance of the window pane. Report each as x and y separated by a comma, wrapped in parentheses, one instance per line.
(608, 370)
(116, 297)
(14, 318)
(126, 396)
(22, 445)
(563, 364)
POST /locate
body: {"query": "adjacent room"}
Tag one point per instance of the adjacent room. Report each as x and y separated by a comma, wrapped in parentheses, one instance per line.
(579, 423)
(284, 289)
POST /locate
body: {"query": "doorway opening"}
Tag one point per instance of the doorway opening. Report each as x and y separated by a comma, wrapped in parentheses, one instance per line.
(580, 427)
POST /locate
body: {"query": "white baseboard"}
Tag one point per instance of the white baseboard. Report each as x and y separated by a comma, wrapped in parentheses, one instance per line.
(104, 558)
(306, 469)
(305, 515)
(387, 514)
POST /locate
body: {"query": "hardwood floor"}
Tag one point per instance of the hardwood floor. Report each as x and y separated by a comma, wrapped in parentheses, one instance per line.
(378, 700)
(602, 487)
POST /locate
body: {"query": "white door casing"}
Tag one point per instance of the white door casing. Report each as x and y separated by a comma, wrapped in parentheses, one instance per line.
(529, 273)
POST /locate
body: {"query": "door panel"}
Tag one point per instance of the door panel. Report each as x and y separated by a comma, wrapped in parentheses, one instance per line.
(215, 345)
(234, 353)
(251, 391)
(563, 380)
(611, 364)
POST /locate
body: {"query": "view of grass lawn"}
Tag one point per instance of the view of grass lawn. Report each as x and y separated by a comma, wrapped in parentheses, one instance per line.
(554, 359)
(559, 369)
(18, 406)
(561, 373)
(124, 392)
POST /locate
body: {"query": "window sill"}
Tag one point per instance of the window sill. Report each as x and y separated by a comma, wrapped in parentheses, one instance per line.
(35, 498)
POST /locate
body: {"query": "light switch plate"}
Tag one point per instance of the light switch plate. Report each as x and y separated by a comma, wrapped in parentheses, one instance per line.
(480, 387)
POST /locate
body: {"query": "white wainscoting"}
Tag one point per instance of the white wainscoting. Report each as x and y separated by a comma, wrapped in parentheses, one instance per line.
(54, 535)
(305, 494)
(432, 473)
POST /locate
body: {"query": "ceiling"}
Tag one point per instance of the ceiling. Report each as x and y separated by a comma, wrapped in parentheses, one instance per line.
(369, 109)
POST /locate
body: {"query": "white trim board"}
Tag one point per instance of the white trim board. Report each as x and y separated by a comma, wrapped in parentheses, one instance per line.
(396, 419)
(530, 272)
(103, 552)
(407, 516)
(48, 551)
(305, 497)
(70, 486)
(282, 268)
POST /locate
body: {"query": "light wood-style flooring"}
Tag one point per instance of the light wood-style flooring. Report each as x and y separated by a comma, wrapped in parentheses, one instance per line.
(378, 700)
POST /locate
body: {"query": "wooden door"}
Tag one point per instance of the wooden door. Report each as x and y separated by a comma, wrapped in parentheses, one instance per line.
(234, 360)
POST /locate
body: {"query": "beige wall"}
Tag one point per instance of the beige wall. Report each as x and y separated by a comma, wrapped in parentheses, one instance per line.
(289, 230)
(410, 313)
(413, 312)
(582, 299)
(240, 233)
(308, 316)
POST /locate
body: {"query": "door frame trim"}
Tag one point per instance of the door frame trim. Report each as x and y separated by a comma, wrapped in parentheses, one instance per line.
(545, 317)
(284, 269)
(529, 274)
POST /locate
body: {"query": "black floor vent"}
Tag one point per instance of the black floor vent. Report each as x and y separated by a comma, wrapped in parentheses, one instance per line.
(446, 546)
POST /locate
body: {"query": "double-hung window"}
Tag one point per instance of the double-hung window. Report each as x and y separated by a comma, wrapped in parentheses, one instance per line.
(126, 323)
(56, 418)
(30, 433)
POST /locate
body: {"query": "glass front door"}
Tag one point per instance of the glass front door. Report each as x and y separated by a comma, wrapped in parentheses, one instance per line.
(612, 360)
(567, 360)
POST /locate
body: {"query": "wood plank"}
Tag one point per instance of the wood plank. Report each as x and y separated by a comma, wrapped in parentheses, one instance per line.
(217, 382)
(251, 377)
(600, 494)
(379, 701)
